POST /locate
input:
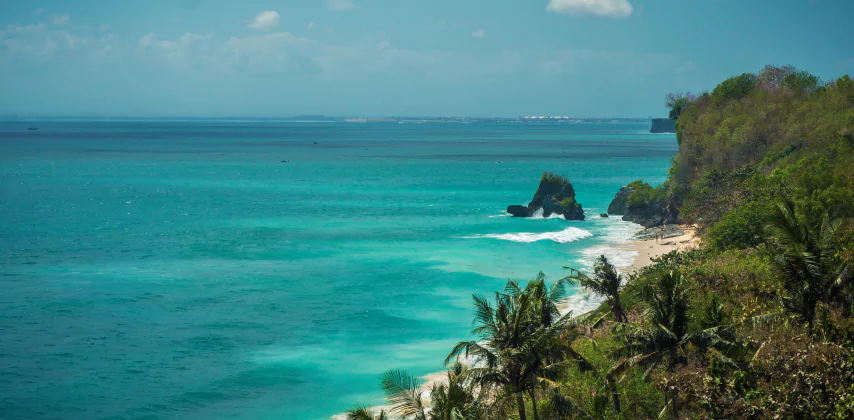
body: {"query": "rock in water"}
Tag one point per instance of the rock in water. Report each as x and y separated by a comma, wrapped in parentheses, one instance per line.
(620, 204)
(519, 211)
(555, 195)
(647, 209)
(603, 215)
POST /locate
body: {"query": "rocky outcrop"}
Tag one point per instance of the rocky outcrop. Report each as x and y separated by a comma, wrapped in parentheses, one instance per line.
(648, 212)
(519, 211)
(554, 195)
(620, 204)
(649, 215)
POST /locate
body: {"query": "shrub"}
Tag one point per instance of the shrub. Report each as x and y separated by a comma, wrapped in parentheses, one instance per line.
(734, 88)
(741, 228)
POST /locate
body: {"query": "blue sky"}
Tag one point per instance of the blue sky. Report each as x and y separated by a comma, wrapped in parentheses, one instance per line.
(399, 57)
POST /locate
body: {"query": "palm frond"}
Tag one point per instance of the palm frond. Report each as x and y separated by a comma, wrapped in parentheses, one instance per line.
(363, 413)
(403, 393)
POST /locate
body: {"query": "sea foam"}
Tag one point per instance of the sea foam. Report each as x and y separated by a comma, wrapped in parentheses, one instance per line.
(570, 234)
(616, 235)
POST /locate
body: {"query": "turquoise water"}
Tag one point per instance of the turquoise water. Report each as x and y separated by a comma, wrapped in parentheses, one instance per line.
(180, 270)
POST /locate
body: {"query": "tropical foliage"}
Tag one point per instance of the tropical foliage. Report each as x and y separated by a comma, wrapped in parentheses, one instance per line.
(755, 324)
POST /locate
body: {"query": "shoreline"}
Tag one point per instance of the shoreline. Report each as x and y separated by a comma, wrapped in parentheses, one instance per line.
(647, 249)
(582, 303)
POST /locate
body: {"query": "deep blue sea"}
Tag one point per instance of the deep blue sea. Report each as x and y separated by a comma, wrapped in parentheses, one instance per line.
(181, 270)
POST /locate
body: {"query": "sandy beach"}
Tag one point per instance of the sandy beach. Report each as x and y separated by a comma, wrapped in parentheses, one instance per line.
(650, 248)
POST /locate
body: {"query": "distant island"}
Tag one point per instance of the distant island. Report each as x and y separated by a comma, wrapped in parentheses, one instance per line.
(349, 119)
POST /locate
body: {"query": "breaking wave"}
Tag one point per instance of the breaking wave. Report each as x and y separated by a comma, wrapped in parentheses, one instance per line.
(570, 234)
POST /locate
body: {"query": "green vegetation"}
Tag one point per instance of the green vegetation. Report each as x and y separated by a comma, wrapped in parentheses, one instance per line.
(644, 194)
(755, 324)
(604, 282)
(554, 179)
(569, 204)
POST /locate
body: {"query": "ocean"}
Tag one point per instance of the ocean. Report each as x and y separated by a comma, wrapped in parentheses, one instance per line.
(182, 270)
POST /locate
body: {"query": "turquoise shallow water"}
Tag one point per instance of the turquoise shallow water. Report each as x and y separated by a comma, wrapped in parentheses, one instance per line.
(180, 270)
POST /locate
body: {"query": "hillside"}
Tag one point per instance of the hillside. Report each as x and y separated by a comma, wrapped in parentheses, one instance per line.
(755, 324)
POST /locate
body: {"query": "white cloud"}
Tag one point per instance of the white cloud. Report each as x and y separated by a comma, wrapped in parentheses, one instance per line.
(59, 20)
(146, 41)
(340, 5)
(275, 53)
(605, 8)
(39, 11)
(283, 53)
(71, 40)
(311, 25)
(106, 27)
(179, 48)
(265, 21)
(40, 40)
(27, 28)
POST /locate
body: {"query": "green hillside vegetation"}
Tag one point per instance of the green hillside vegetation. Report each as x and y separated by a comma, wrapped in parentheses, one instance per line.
(755, 324)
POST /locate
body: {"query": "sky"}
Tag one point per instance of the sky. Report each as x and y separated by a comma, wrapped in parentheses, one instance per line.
(267, 58)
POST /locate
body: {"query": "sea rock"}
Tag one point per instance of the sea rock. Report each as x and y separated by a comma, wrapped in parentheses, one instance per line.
(651, 213)
(554, 195)
(648, 215)
(519, 211)
(603, 215)
(620, 204)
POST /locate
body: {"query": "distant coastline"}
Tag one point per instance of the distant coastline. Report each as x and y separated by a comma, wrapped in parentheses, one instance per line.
(336, 119)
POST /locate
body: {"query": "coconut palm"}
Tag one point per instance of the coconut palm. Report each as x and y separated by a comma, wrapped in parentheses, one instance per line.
(604, 282)
(448, 400)
(458, 398)
(362, 413)
(524, 342)
(404, 394)
(806, 259)
(664, 337)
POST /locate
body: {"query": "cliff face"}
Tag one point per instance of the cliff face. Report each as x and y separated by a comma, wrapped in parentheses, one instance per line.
(648, 212)
(554, 195)
(620, 204)
(663, 125)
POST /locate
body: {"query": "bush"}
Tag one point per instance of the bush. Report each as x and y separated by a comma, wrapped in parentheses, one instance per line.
(569, 204)
(734, 88)
(644, 194)
(741, 228)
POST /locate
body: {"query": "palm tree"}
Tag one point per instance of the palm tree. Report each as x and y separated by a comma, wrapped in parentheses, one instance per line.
(664, 338)
(457, 398)
(806, 259)
(523, 342)
(362, 413)
(404, 394)
(605, 282)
